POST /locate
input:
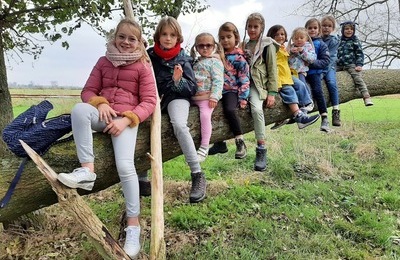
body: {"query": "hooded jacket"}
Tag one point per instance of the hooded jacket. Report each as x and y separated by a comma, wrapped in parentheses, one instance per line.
(350, 51)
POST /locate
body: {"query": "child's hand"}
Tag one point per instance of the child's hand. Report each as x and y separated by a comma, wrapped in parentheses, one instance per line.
(270, 102)
(106, 113)
(358, 68)
(212, 103)
(116, 126)
(243, 103)
(178, 71)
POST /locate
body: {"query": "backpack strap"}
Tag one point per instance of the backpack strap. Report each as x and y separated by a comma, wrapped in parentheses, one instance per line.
(4, 201)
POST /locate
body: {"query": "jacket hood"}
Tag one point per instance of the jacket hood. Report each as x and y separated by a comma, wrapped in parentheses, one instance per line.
(342, 25)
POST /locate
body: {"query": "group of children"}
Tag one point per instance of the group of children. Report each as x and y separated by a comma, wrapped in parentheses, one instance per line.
(121, 92)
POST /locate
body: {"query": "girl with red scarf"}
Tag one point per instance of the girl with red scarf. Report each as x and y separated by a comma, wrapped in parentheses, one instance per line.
(176, 85)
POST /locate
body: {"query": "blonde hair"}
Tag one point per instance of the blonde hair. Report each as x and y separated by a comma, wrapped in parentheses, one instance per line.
(230, 27)
(254, 17)
(314, 20)
(299, 31)
(218, 48)
(171, 22)
(329, 18)
(137, 31)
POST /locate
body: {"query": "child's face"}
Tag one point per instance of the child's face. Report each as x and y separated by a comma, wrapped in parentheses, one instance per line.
(254, 29)
(227, 40)
(125, 39)
(280, 36)
(300, 39)
(327, 27)
(348, 31)
(205, 46)
(168, 37)
(313, 29)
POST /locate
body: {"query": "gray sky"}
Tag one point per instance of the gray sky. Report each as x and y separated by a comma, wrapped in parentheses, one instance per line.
(72, 67)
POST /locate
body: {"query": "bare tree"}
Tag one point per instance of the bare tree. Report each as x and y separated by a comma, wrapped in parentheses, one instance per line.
(378, 25)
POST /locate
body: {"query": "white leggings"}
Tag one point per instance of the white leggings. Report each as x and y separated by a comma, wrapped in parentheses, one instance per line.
(85, 119)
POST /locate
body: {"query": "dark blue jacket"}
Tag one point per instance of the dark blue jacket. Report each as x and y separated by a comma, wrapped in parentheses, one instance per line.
(164, 70)
(323, 58)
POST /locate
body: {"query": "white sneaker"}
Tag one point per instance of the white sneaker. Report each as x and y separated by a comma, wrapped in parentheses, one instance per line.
(202, 154)
(132, 241)
(309, 107)
(79, 178)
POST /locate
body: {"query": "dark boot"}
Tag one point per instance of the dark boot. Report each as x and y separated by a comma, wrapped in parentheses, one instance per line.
(198, 190)
(241, 149)
(145, 188)
(336, 117)
(218, 147)
(261, 159)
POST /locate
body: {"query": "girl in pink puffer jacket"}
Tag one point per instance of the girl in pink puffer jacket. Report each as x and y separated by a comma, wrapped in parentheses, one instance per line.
(119, 94)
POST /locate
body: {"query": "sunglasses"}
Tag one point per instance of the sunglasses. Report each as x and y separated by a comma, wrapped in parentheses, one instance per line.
(202, 46)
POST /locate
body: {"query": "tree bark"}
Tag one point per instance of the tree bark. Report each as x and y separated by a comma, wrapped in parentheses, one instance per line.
(33, 191)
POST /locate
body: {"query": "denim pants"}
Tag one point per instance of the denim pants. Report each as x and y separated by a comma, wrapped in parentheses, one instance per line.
(85, 118)
(330, 81)
(316, 90)
(302, 92)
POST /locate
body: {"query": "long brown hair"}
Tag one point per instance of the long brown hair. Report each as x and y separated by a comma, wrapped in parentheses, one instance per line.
(230, 27)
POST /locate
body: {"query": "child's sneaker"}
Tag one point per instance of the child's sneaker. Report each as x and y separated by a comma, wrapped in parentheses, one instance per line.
(336, 117)
(303, 120)
(132, 241)
(325, 124)
(309, 107)
(218, 147)
(199, 186)
(79, 178)
(202, 154)
(280, 123)
(368, 102)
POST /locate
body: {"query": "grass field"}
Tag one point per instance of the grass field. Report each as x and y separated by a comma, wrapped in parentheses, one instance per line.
(323, 196)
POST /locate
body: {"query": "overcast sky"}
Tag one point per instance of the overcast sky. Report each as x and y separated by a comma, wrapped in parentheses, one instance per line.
(72, 67)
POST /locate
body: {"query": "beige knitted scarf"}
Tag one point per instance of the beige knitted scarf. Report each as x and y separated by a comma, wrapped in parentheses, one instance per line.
(121, 59)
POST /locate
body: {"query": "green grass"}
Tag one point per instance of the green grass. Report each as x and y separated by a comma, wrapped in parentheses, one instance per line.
(323, 196)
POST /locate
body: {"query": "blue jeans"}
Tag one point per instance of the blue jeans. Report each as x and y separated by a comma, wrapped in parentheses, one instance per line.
(302, 92)
(330, 80)
(316, 89)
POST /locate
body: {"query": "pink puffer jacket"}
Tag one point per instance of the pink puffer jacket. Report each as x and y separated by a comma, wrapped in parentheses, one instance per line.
(126, 88)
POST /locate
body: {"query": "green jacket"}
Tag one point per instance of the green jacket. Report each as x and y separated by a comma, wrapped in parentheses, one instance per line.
(264, 74)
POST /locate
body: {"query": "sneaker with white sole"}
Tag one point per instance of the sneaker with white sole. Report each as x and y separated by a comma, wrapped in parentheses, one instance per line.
(132, 241)
(79, 178)
(202, 153)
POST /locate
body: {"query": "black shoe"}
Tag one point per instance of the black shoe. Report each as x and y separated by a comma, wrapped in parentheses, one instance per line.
(241, 149)
(145, 188)
(218, 147)
(336, 117)
(279, 124)
(198, 190)
(261, 159)
(303, 120)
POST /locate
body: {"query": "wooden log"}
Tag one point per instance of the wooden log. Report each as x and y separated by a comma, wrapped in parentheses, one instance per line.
(33, 192)
(73, 203)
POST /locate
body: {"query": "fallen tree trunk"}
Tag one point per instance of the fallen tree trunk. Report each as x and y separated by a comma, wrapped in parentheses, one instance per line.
(33, 191)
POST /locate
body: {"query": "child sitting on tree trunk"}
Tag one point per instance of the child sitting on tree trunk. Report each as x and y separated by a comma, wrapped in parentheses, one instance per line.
(351, 58)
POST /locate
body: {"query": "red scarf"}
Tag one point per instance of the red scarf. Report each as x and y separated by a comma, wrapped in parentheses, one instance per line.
(167, 54)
